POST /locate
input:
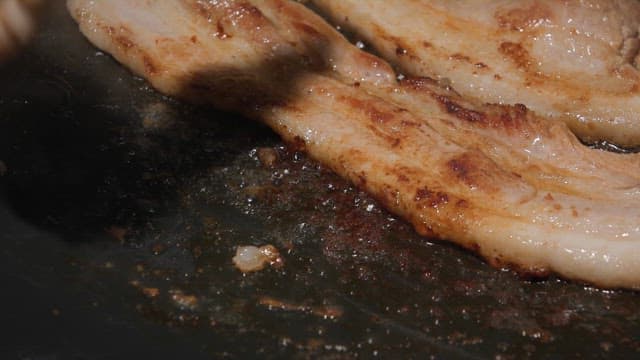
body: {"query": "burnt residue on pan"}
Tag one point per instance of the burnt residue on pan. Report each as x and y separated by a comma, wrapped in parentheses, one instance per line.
(121, 211)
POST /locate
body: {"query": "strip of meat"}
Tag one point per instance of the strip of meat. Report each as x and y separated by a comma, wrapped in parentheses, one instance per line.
(573, 60)
(518, 189)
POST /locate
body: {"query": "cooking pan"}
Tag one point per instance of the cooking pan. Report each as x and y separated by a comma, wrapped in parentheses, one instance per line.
(121, 211)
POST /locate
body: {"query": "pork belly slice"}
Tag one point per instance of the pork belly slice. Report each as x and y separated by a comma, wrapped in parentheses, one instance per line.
(575, 61)
(518, 189)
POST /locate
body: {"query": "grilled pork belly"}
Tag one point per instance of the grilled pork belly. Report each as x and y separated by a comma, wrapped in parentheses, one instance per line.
(571, 60)
(518, 189)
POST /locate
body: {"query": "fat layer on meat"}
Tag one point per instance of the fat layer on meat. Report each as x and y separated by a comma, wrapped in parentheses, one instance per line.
(516, 188)
(576, 61)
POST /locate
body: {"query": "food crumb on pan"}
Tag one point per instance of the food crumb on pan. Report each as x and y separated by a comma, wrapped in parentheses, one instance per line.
(3, 168)
(184, 301)
(268, 156)
(323, 311)
(253, 258)
(117, 233)
(151, 292)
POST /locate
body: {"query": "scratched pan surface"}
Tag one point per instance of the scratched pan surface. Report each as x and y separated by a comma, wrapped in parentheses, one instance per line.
(120, 211)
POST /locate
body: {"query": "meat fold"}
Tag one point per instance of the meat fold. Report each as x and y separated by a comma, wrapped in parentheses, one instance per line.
(576, 61)
(514, 187)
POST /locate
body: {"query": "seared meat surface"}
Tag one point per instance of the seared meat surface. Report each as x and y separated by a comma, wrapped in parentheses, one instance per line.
(516, 188)
(572, 60)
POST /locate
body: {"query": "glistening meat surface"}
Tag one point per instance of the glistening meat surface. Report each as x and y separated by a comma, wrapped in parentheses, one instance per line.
(576, 61)
(516, 188)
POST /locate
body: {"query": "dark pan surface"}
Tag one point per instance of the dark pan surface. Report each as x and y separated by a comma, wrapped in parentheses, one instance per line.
(121, 209)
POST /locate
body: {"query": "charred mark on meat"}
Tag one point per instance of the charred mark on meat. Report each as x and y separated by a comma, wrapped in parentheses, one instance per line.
(517, 53)
(431, 198)
(459, 111)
